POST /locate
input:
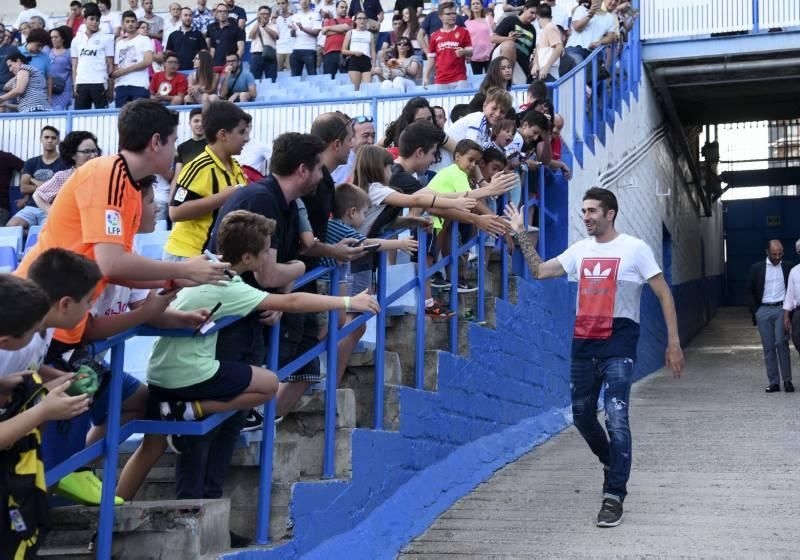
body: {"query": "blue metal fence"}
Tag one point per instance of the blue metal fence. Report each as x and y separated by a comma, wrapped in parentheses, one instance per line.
(585, 124)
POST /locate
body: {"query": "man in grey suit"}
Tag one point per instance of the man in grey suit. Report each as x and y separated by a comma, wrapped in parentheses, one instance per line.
(766, 287)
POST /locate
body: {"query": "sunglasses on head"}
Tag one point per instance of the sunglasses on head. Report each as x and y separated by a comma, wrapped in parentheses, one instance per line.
(361, 119)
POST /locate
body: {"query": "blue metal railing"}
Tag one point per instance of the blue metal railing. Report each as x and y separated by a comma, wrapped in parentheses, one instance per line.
(605, 100)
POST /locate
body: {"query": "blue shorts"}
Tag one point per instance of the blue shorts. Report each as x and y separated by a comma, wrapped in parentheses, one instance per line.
(231, 380)
(31, 215)
(98, 410)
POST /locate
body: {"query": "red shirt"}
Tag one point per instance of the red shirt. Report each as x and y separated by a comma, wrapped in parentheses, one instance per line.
(555, 146)
(75, 24)
(443, 44)
(334, 41)
(178, 84)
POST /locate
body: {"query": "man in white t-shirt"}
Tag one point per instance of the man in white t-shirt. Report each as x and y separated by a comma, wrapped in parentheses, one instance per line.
(306, 24)
(549, 46)
(591, 28)
(132, 57)
(110, 22)
(29, 12)
(611, 268)
(92, 55)
(282, 24)
(173, 22)
(133, 5)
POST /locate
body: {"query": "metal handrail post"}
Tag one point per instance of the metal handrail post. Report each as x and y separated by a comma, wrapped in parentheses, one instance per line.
(542, 216)
(419, 348)
(267, 444)
(111, 449)
(380, 336)
(329, 457)
(481, 275)
(454, 287)
(504, 257)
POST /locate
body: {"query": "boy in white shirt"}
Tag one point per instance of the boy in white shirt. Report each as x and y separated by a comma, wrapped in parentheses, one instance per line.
(132, 57)
(92, 53)
(306, 25)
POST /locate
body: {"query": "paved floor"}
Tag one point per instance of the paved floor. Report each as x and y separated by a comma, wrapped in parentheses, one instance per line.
(716, 473)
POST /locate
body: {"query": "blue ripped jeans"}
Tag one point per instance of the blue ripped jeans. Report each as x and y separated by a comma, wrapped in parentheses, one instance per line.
(613, 375)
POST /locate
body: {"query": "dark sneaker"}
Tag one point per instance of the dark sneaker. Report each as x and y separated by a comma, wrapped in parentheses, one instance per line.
(439, 281)
(254, 421)
(788, 387)
(464, 287)
(436, 311)
(610, 514)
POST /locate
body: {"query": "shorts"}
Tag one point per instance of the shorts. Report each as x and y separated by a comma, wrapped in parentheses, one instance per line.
(359, 64)
(32, 215)
(299, 333)
(356, 283)
(231, 380)
(98, 410)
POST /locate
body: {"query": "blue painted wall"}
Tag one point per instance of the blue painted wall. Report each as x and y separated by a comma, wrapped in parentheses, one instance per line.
(747, 230)
(516, 375)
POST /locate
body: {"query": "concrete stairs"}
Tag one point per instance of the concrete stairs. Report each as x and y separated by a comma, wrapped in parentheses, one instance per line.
(298, 452)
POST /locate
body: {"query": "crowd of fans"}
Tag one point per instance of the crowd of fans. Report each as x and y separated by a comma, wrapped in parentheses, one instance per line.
(197, 54)
(324, 196)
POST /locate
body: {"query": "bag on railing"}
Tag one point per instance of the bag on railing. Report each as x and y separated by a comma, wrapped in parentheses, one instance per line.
(24, 517)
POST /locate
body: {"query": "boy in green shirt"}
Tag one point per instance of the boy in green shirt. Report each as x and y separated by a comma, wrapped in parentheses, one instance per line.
(183, 375)
(457, 178)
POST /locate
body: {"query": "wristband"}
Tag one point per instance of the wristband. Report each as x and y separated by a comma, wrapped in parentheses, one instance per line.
(346, 303)
(433, 201)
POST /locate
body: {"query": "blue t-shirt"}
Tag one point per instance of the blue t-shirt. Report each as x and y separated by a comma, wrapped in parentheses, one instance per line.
(338, 230)
(41, 171)
(240, 82)
(40, 61)
(5, 73)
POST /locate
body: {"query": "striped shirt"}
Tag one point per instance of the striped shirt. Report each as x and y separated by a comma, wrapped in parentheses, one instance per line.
(34, 98)
(338, 230)
(204, 176)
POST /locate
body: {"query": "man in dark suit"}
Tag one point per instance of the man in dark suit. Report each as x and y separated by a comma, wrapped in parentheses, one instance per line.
(766, 287)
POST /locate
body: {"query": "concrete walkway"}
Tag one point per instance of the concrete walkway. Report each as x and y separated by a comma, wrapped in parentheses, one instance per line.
(716, 473)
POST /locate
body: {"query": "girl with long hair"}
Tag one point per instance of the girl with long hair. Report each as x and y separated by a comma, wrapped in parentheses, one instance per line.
(417, 109)
(480, 26)
(359, 45)
(204, 81)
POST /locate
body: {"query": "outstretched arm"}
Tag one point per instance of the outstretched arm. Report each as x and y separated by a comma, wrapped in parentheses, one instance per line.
(674, 356)
(539, 269)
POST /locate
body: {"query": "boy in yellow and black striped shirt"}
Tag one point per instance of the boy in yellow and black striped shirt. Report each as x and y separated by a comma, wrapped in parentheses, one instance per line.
(206, 182)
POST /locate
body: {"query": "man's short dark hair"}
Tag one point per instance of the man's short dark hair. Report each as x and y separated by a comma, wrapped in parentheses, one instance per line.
(75, 3)
(349, 196)
(531, 4)
(195, 111)
(535, 118)
(51, 128)
(141, 119)
(420, 134)
(62, 273)
(242, 232)
(293, 149)
(40, 36)
(491, 154)
(170, 54)
(24, 305)
(27, 4)
(91, 10)
(537, 89)
(106, 2)
(129, 14)
(222, 115)
(544, 11)
(330, 127)
(607, 199)
(460, 111)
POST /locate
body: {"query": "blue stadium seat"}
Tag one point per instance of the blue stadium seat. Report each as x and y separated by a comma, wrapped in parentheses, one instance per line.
(33, 237)
(152, 251)
(8, 259)
(157, 238)
(11, 236)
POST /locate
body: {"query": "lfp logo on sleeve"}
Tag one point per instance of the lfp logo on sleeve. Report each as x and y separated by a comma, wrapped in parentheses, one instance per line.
(113, 223)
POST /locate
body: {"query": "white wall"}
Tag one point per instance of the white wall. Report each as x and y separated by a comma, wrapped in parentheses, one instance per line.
(642, 211)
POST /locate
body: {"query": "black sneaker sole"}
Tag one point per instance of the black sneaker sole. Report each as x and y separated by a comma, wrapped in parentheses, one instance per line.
(607, 524)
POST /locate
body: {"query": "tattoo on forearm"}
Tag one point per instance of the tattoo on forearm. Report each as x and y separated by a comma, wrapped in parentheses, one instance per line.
(529, 253)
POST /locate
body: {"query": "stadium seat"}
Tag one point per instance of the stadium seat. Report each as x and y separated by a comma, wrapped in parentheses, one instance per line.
(152, 251)
(11, 236)
(142, 240)
(8, 259)
(33, 237)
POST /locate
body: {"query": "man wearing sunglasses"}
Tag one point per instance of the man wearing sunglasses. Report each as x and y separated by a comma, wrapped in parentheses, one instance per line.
(363, 133)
